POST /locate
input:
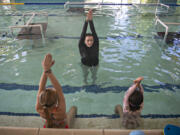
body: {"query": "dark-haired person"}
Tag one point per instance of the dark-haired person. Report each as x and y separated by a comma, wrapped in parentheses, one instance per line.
(132, 105)
(89, 48)
(50, 102)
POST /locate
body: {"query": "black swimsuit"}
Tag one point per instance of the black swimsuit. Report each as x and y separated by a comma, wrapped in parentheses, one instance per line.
(89, 55)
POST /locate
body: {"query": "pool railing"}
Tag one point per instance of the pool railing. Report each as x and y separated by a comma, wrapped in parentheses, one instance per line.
(28, 25)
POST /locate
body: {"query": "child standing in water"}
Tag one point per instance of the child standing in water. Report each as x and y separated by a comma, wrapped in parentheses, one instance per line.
(132, 105)
(50, 102)
(89, 49)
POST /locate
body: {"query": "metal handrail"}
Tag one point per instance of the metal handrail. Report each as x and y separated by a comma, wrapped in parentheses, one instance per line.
(84, 3)
(30, 19)
(80, 3)
(42, 13)
(164, 25)
(172, 23)
(161, 4)
(27, 25)
(88, 3)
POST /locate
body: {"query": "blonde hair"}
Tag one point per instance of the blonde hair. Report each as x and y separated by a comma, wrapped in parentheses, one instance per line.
(47, 99)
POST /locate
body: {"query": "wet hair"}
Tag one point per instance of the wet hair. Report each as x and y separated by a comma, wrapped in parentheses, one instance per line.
(47, 99)
(135, 100)
(88, 34)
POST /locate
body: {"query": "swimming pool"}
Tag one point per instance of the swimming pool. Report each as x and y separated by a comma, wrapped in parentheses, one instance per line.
(128, 49)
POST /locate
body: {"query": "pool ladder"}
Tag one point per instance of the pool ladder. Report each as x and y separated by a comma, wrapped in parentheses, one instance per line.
(164, 24)
(28, 25)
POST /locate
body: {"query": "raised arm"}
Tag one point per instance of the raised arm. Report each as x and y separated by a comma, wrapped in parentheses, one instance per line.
(57, 86)
(47, 63)
(93, 30)
(137, 82)
(90, 18)
(141, 89)
(55, 82)
(62, 105)
(42, 86)
(83, 34)
(131, 90)
(42, 83)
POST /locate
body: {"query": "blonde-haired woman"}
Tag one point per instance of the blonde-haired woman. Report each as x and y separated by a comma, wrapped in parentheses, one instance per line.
(50, 102)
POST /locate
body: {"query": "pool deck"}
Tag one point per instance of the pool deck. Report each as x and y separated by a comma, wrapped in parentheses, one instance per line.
(41, 131)
(28, 125)
(86, 123)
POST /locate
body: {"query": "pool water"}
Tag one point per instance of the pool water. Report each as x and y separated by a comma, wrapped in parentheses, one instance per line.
(129, 48)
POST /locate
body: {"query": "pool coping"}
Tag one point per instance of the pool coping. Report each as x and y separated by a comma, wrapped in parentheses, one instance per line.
(47, 131)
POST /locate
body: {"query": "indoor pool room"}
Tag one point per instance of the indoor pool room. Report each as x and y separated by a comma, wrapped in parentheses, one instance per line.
(97, 67)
